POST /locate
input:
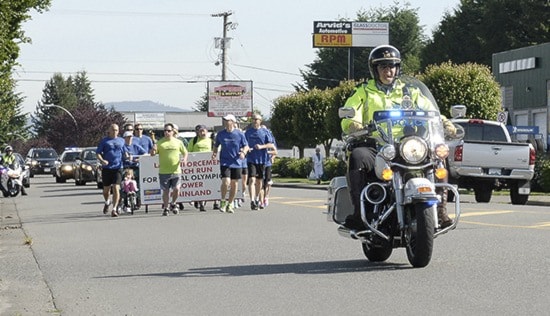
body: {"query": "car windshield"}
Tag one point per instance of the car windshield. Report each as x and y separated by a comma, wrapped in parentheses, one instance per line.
(90, 155)
(45, 154)
(70, 156)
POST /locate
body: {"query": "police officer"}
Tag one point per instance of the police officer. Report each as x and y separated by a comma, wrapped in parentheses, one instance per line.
(382, 91)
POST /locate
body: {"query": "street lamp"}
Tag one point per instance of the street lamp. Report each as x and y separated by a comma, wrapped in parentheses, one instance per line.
(64, 109)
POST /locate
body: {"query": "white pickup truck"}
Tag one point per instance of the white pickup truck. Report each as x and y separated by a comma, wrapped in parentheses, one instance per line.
(486, 159)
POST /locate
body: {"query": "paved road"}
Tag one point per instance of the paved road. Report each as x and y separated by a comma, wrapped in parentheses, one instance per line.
(284, 260)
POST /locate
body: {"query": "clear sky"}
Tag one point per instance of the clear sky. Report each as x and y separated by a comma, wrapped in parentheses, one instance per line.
(164, 50)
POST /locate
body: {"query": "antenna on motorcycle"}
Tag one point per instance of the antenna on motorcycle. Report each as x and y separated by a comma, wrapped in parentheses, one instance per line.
(458, 111)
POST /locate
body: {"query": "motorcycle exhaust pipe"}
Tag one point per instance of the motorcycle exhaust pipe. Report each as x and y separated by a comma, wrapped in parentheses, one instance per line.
(375, 193)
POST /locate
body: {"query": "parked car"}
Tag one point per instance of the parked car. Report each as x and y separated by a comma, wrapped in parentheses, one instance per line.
(41, 160)
(85, 167)
(26, 170)
(64, 168)
(486, 159)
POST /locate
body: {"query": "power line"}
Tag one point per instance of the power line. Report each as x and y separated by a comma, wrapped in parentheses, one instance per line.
(268, 70)
(127, 13)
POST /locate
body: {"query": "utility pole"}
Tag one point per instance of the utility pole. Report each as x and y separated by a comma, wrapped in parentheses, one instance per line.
(224, 41)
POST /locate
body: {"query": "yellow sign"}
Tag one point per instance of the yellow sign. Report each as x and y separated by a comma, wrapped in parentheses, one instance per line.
(332, 40)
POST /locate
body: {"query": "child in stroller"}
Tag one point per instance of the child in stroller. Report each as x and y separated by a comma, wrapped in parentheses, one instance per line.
(129, 190)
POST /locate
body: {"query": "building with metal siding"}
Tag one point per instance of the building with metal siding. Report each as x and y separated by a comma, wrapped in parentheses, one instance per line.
(524, 77)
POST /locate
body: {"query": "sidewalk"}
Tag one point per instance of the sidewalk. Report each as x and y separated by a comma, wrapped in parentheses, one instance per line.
(23, 290)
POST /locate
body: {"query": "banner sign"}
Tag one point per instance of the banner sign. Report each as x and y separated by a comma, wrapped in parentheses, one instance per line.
(350, 34)
(200, 179)
(229, 97)
(532, 130)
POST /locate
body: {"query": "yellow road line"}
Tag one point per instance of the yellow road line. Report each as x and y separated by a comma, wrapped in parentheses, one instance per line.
(468, 214)
(546, 226)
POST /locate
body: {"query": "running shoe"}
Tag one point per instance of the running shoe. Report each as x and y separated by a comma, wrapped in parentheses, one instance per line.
(223, 206)
(266, 202)
(230, 209)
(166, 212)
(174, 209)
(106, 207)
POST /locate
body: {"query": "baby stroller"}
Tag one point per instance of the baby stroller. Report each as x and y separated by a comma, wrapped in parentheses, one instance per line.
(129, 192)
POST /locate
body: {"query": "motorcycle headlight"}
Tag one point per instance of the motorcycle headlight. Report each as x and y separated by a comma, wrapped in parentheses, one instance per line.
(414, 150)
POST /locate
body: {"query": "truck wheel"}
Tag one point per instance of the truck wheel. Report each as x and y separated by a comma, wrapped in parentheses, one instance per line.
(515, 197)
(483, 195)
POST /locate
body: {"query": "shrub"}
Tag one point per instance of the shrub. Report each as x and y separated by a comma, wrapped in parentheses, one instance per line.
(291, 167)
(541, 180)
(286, 167)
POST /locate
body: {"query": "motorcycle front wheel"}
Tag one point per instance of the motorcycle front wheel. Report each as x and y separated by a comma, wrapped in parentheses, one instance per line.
(13, 188)
(420, 235)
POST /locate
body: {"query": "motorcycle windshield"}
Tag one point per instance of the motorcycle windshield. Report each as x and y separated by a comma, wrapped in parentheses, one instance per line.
(394, 125)
(416, 113)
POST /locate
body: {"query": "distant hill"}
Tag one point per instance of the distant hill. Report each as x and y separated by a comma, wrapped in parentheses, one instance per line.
(143, 106)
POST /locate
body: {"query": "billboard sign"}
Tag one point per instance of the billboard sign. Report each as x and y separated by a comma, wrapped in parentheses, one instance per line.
(229, 97)
(150, 120)
(350, 34)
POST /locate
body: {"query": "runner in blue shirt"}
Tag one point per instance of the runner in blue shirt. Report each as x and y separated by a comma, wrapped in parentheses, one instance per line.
(259, 139)
(233, 150)
(110, 153)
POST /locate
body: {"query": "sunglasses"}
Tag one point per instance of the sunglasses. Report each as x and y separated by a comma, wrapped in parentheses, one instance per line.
(384, 66)
(168, 130)
(139, 129)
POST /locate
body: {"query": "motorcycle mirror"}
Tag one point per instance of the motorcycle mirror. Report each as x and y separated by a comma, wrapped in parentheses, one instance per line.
(458, 111)
(346, 112)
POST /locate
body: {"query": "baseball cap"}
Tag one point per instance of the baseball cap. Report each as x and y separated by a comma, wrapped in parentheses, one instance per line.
(200, 126)
(128, 133)
(230, 117)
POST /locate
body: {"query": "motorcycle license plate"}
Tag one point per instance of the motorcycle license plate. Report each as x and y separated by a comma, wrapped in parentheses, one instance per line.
(494, 172)
(46, 169)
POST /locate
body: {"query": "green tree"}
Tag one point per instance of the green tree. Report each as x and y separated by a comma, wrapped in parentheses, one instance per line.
(202, 103)
(338, 97)
(469, 84)
(74, 94)
(477, 29)
(330, 66)
(13, 13)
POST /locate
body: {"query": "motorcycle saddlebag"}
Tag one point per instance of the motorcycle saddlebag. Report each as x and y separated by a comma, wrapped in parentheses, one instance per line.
(338, 200)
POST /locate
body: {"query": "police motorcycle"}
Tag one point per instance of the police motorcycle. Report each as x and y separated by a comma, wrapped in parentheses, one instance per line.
(410, 165)
(11, 179)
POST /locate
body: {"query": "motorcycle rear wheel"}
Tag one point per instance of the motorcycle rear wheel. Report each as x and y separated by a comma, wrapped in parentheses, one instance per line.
(420, 235)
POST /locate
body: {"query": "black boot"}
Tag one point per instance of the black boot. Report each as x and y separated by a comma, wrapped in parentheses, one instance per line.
(23, 192)
(444, 219)
(356, 182)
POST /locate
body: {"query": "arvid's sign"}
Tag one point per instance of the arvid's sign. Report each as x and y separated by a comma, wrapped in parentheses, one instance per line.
(350, 34)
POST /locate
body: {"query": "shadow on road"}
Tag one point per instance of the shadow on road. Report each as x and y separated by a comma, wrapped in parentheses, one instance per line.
(321, 267)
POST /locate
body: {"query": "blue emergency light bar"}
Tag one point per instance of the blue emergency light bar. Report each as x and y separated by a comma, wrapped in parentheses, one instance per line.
(393, 114)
